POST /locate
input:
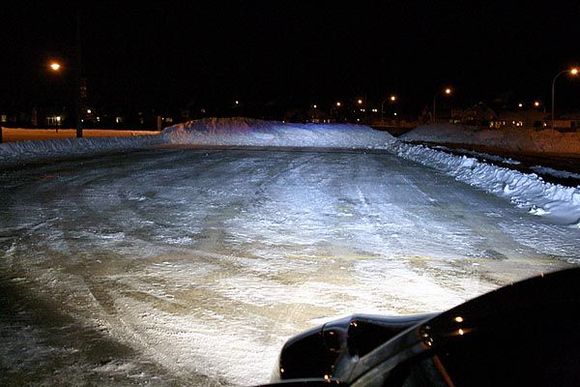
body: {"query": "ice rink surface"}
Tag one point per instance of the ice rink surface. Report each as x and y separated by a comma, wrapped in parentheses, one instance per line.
(180, 266)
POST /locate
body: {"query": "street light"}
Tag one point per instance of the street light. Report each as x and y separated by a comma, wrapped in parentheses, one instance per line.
(447, 91)
(538, 104)
(54, 66)
(392, 98)
(573, 72)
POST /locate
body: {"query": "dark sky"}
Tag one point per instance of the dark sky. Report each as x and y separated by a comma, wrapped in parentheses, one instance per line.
(169, 54)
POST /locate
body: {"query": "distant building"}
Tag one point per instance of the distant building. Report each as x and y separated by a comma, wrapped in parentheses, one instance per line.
(479, 114)
(524, 118)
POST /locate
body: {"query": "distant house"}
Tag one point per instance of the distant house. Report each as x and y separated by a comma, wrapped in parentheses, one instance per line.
(479, 114)
(524, 118)
(570, 121)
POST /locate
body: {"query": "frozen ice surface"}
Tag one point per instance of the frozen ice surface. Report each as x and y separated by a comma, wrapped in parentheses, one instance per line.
(189, 266)
(555, 172)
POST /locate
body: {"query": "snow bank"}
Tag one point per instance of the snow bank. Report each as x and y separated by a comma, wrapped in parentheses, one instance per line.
(512, 139)
(250, 132)
(558, 203)
(25, 151)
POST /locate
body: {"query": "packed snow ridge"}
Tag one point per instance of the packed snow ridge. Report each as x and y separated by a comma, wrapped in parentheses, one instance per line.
(558, 203)
(27, 151)
(250, 132)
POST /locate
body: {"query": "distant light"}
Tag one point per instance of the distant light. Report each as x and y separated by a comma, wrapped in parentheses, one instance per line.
(393, 98)
(360, 101)
(358, 120)
(314, 106)
(89, 111)
(375, 110)
(363, 110)
(58, 118)
(394, 114)
(338, 104)
(237, 102)
(520, 104)
(460, 331)
(458, 319)
(55, 66)
(537, 103)
(448, 91)
(574, 71)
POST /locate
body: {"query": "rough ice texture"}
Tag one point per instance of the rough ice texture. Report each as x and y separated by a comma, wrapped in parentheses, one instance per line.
(26, 151)
(558, 203)
(250, 132)
(512, 139)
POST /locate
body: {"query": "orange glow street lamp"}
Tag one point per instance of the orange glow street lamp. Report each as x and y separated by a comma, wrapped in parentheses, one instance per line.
(447, 91)
(573, 72)
(392, 99)
(55, 66)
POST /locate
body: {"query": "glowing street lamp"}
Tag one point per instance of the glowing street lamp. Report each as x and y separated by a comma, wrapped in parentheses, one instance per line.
(338, 104)
(538, 104)
(359, 101)
(447, 91)
(54, 66)
(392, 99)
(573, 72)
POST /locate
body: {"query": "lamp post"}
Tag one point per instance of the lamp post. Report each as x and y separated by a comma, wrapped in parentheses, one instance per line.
(538, 104)
(574, 72)
(392, 99)
(57, 67)
(446, 91)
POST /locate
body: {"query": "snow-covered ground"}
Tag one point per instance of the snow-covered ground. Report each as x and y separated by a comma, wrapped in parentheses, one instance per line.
(511, 139)
(179, 265)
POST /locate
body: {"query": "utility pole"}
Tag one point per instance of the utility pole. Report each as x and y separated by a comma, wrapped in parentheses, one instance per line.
(79, 85)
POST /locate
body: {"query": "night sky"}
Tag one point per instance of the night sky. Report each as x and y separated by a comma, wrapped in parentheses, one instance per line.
(169, 55)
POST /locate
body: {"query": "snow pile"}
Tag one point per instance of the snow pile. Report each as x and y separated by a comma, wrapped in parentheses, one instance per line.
(25, 151)
(558, 203)
(250, 132)
(511, 139)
